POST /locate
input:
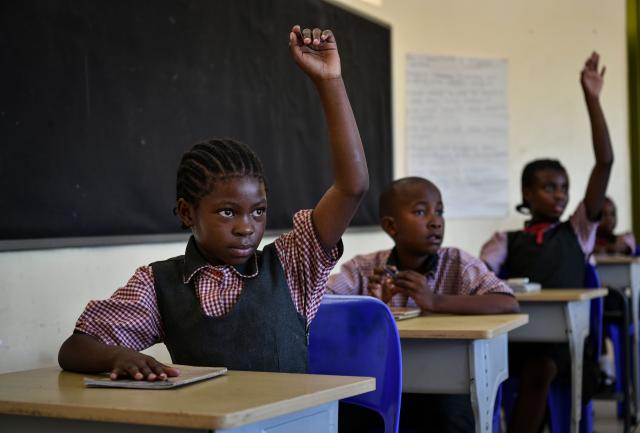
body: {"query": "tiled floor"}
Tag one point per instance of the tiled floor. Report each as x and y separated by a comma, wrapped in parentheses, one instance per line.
(605, 418)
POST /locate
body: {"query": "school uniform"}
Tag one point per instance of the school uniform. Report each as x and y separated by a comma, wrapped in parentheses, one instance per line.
(554, 255)
(450, 271)
(250, 317)
(534, 253)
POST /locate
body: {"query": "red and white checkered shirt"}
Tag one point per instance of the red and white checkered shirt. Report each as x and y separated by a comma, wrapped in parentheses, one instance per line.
(130, 317)
(457, 273)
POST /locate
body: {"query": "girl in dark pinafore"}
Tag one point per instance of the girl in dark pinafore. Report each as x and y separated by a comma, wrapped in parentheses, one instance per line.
(551, 252)
(224, 303)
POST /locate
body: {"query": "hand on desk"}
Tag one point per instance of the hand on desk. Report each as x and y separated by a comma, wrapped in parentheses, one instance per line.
(138, 366)
(387, 282)
(414, 285)
(83, 353)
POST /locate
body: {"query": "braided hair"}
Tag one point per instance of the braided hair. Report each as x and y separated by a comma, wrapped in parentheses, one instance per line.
(211, 161)
(529, 177)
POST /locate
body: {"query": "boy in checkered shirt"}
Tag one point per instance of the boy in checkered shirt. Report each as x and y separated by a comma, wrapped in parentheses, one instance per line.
(418, 272)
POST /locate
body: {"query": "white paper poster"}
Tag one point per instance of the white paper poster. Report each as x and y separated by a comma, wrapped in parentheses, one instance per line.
(457, 131)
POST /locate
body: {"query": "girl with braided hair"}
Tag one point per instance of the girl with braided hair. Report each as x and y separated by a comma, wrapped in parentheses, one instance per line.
(224, 302)
(553, 253)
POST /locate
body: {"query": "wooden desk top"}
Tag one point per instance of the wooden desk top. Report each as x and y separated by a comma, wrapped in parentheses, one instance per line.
(561, 295)
(238, 398)
(616, 259)
(458, 327)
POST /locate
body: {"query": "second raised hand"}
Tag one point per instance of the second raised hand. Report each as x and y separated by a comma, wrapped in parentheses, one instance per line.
(315, 51)
(591, 78)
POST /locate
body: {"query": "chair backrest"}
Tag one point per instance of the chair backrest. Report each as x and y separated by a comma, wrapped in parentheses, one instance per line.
(357, 336)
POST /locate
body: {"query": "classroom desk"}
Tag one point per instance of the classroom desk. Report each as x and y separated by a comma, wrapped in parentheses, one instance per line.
(622, 273)
(241, 401)
(452, 354)
(555, 316)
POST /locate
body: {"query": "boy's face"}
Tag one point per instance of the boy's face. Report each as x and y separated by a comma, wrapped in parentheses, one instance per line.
(609, 220)
(229, 222)
(549, 194)
(416, 223)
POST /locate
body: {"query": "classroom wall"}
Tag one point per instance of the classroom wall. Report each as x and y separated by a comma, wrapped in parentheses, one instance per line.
(545, 42)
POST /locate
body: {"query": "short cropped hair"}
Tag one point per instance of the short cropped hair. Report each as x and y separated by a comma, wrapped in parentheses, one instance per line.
(387, 200)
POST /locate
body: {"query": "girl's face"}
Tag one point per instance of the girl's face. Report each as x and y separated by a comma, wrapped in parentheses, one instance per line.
(548, 196)
(229, 222)
(609, 219)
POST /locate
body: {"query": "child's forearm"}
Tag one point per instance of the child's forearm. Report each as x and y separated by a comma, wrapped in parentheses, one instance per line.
(480, 304)
(599, 133)
(85, 354)
(603, 152)
(335, 210)
(347, 155)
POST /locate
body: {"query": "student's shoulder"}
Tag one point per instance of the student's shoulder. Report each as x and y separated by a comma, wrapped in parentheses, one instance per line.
(463, 261)
(458, 255)
(500, 237)
(144, 272)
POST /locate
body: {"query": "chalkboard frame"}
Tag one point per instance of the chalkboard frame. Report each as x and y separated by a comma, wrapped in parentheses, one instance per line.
(378, 154)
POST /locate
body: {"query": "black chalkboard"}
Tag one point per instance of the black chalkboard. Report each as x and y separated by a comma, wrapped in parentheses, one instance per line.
(100, 98)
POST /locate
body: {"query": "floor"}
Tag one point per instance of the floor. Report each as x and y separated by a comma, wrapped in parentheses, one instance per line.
(605, 418)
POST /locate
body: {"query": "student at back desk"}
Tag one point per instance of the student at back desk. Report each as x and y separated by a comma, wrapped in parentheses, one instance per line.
(607, 242)
(554, 254)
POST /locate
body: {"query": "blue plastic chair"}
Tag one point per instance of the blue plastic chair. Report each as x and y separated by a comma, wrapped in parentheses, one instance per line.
(357, 336)
(559, 398)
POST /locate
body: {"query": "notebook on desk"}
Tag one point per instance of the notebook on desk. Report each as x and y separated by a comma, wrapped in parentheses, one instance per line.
(523, 285)
(401, 313)
(188, 374)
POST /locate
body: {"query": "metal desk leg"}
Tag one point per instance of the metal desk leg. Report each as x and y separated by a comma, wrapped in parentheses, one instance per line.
(489, 368)
(577, 317)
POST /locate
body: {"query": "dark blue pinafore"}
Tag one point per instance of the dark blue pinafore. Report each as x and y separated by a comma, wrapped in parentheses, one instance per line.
(262, 332)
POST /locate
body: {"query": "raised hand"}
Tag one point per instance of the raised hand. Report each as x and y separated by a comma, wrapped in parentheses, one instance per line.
(315, 52)
(592, 79)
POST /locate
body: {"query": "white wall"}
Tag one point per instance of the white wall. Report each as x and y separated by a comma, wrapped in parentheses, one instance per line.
(546, 42)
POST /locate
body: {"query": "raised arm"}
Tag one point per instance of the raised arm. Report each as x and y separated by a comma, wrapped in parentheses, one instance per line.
(316, 53)
(592, 81)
